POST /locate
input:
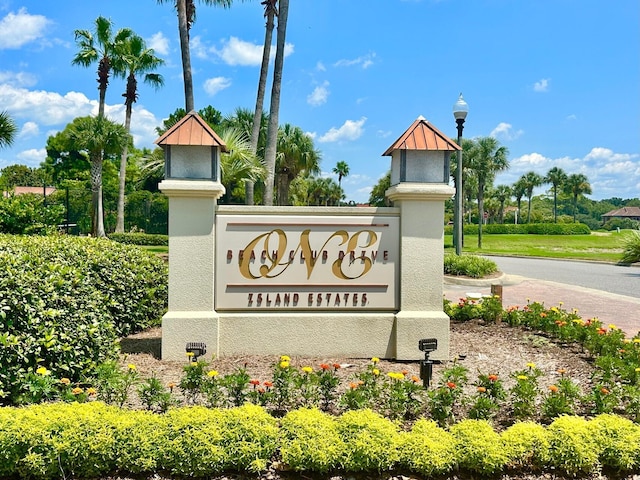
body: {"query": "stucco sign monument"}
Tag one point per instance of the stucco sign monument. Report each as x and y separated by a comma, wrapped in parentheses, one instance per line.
(313, 281)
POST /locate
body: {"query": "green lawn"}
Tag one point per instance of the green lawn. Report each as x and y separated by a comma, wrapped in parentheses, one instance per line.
(599, 246)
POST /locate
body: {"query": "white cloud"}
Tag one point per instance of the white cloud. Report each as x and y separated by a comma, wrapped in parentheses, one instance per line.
(32, 157)
(47, 108)
(29, 129)
(18, 29)
(238, 52)
(504, 131)
(572, 117)
(320, 67)
(350, 130)
(319, 95)
(159, 43)
(197, 48)
(214, 85)
(18, 79)
(364, 61)
(542, 85)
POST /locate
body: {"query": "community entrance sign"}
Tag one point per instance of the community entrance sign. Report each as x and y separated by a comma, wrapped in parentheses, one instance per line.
(313, 281)
(307, 263)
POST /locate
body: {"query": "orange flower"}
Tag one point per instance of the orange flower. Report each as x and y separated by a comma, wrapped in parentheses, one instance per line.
(268, 384)
(553, 388)
(337, 366)
(353, 385)
(562, 371)
(414, 379)
(261, 390)
(604, 391)
(65, 381)
(255, 383)
(493, 377)
(405, 372)
(171, 385)
(451, 385)
(77, 391)
(324, 366)
(482, 389)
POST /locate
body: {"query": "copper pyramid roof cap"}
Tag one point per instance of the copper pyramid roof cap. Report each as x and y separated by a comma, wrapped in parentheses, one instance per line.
(191, 130)
(422, 135)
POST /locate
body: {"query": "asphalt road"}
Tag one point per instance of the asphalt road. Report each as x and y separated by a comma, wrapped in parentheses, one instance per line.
(600, 276)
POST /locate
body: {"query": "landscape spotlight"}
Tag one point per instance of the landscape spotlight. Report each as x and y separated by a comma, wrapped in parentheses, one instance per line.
(427, 345)
(197, 348)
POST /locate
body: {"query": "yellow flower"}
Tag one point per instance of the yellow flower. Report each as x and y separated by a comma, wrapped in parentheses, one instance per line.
(395, 375)
(285, 358)
(612, 327)
(638, 369)
(132, 367)
(212, 373)
(375, 360)
(190, 354)
(575, 310)
(91, 391)
(284, 364)
(42, 371)
(555, 309)
(65, 381)
(531, 365)
(307, 369)
(636, 340)
(376, 372)
(560, 303)
(522, 377)
(77, 391)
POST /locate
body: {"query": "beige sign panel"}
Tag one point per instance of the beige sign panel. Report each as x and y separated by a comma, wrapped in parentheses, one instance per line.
(292, 262)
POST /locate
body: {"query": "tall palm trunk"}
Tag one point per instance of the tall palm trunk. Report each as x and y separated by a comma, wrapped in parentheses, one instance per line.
(262, 86)
(183, 28)
(274, 110)
(97, 219)
(132, 86)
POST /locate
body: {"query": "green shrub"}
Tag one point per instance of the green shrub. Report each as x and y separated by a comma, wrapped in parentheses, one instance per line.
(572, 445)
(527, 445)
(619, 442)
(526, 229)
(371, 441)
(427, 449)
(310, 441)
(480, 448)
(470, 265)
(631, 247)
(65, 300)
(140, 238)
(27, 214)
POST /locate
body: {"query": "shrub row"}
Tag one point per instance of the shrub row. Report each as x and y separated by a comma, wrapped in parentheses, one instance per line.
(64, 301)
(526, 229)
(90, 440)
(470, 265)
(139, 238)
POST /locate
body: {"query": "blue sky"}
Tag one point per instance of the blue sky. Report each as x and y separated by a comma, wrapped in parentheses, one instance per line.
(556, 81)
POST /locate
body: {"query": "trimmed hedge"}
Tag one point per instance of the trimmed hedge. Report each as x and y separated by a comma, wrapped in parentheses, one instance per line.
(143, 239)
(64, 301)
(91, 440)
(526, 229)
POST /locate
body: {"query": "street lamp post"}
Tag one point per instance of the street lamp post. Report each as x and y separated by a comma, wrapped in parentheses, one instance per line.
(460, 110)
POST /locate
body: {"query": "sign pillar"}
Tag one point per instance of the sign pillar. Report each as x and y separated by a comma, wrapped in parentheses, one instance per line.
(419, 187)
(192, 183)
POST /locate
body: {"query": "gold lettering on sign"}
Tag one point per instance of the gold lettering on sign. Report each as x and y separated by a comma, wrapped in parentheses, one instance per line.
(271, 267)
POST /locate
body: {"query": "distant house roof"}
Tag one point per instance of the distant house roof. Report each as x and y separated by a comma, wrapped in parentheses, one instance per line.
(625, 212)
(422, 135)
(17, 190)
(191, 130)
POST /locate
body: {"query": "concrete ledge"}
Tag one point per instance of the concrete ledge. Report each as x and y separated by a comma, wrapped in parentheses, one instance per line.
(413, 326)
(179, 328)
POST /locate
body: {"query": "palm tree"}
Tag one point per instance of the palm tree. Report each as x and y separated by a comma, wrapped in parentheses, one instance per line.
(100, 46)
(487, 158)
(296, 155)
(133, 58)
(342, 170)
(98, 136)
(555, 177)
(576, 185)
(502, 193)
(270, 12)
(239, 163)
(530, 180)
(8, 130)
(186, 16)
(518, 192)
(274, 110)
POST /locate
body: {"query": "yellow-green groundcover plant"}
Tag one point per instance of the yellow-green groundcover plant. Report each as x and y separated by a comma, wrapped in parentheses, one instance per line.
(91, 440)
